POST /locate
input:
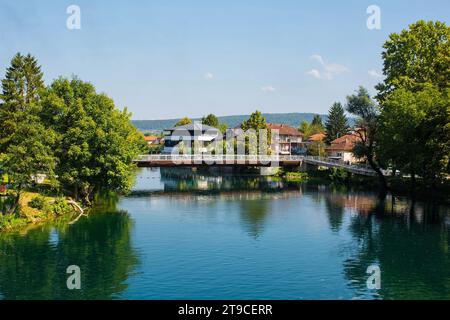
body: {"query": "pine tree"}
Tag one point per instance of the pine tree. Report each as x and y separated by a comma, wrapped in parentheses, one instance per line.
(317, 122)
(336, 124)
(25, 144)
(20, 93)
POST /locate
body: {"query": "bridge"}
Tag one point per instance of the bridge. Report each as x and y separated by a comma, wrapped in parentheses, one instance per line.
(162, 160)
(361, 169)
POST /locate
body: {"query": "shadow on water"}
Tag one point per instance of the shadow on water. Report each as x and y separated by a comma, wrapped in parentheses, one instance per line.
(33, 266)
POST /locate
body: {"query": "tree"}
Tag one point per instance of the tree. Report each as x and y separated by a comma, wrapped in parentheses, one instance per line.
(308, 129)
(20, 92)
(414, 101)
(362, 106)
(317, 122)
(183, 122)
(25, 144)
(336, 124)
(30, 153)
(416, 56)
(304, 128)
(256, 122)
(415, 133)
(211, 120)
(96, 142)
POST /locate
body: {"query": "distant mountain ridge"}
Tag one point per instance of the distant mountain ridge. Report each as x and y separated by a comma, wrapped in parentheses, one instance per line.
(292, 119)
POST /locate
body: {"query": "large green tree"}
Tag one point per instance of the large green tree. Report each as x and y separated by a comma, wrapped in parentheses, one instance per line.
(416, 56)
(97, 142)
(336, 124)
(414, 101)
(364, 108)
(415, 133)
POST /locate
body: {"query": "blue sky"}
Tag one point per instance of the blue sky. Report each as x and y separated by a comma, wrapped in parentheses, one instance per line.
(174, 58)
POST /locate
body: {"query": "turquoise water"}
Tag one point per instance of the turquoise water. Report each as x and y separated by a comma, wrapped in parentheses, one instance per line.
(190, 236)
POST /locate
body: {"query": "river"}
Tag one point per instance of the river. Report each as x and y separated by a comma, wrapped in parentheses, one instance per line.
(184, 235)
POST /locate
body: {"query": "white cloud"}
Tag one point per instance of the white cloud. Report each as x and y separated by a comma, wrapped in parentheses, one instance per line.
(209, 76)
(268, 89)
(315, 73)
(328, 70)
(373, 73)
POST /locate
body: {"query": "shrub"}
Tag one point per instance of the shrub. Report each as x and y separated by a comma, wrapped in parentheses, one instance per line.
(61, 207)
(296, 176)
(338, 175)
(37, 202)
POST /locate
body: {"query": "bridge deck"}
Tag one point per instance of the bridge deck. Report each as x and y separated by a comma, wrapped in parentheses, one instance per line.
(224, 160)
(160, 160)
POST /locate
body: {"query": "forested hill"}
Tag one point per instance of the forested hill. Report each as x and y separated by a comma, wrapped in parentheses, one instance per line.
(292, 119)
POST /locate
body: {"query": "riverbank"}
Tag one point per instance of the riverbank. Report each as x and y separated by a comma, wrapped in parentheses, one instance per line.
(36, 208)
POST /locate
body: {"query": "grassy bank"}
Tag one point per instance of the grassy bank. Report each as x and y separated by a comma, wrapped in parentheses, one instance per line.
(34, 208)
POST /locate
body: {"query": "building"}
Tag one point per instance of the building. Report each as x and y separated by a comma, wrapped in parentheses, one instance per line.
(152, 140)
(290, 141)
(318, 137)
(181, 139)
(342, 148)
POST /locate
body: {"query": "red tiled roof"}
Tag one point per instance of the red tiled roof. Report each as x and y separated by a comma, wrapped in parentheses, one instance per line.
(344, 143)
(150, 138)
(284, 129)
(317, 137)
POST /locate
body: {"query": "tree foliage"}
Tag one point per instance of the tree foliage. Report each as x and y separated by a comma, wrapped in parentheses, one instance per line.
(25, 144)
(317, 122)
(70, 133)
(212, 121)
(415, 132)
(416, 56)
(183, 122)
(308, 129)
(414, 101)
(364, 108)
(97, 142)
(256, 122)
(337, 124)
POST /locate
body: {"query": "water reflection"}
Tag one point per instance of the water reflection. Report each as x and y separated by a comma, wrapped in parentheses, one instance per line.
(33, 266)
(408, 240)
(187, 180)
(201, 236)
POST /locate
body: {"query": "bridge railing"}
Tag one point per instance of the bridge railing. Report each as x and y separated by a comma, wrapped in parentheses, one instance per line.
(218, 158)
(339, 163)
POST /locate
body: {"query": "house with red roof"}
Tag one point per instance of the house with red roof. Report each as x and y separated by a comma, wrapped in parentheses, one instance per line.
(342, 148)
(289, 140)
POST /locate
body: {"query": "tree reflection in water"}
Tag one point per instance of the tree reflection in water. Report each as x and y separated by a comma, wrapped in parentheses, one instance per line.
(33, 266)
(409, 241)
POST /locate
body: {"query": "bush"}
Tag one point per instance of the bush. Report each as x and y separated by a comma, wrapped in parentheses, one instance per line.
(37, 202)
(296, 176)
(61, 207)
(338, 175)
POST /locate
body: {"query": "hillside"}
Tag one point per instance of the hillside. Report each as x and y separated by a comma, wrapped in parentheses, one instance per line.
(293, 119)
